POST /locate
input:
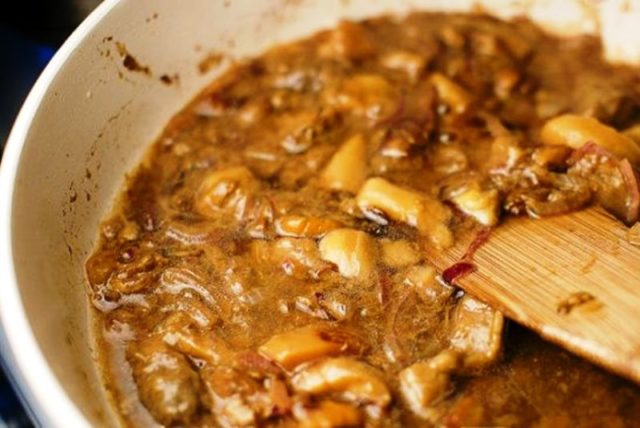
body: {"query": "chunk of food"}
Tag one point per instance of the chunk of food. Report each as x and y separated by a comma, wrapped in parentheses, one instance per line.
(279, 401)
(252, 112)
(347, 169)
(551, 156)
(305, 344)
(206, 347)
(137, 273)
(353, 251)
(506, 80)
(449, 159)
(481, 205)
(167, 385)
(227, 189)
(403, 140)
(476, 332)
(188, 310)
(176, 280)
(298, 131)
(505, 153)
(346, 378)
(452, 94)
(575, 131)
(614, 183)
(265, 161)
(426, 214)
(233, 397)
(328, 414)
(349, 41)
(424, 280)
(425, 384)
(366, 95)
(400, 253)
(298, 257)
(258, 217)
(633, 133)
(298, 226)
(394, 147)
(408, 62)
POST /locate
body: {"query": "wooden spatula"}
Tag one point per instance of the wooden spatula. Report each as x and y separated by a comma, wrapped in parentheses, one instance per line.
(574, 279)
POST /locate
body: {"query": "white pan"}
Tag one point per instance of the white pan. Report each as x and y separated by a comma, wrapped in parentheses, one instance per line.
(87, 122)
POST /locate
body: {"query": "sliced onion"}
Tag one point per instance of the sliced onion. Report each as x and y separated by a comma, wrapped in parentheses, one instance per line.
(481, 238)
(590, 148)
(177, 280)
(457, 271)
(631, 180)
(189, 234)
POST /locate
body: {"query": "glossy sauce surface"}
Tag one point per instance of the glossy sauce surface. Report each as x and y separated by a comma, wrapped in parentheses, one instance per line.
(265, 265)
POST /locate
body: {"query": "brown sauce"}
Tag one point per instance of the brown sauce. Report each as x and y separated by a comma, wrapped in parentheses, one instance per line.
(265, 265)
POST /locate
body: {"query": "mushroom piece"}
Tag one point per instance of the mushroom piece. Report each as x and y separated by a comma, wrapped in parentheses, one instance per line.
(136, 274)
(476, 332)
(232, 396)
(347, 169)
(505, 154)
(167, 385)
(449, 159)
(551, 156)
(416, 209)
(304, 227)
(410, 63)
(633, 132)
(298, 257)
(353, 251)
(181, 332)
(400, 253)
(423, 385)
(328, 414)
(366, 95)
(424, 280)
(203, 346)
(227, 189)
(575, 131)
(295, 347)
(347, 378)
(481, 205)
(614, 183)
(349, 41)
(454, 95)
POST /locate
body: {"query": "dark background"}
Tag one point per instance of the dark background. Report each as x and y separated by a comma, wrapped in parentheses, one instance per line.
(30, 33)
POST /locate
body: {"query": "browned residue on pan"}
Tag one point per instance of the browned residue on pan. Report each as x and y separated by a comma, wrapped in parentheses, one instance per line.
(130, 62)
(151, 18)
(211, 61)
(170, 79)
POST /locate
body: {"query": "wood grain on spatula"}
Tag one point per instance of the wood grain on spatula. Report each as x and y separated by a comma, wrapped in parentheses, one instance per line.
(575, 279)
